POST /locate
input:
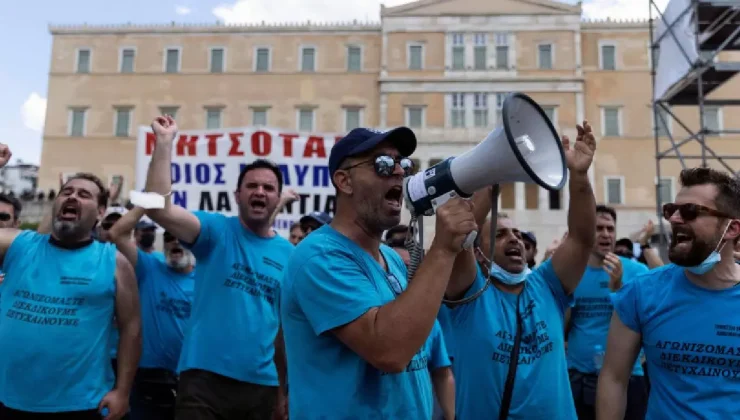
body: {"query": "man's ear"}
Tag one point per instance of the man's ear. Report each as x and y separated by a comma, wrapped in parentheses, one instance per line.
(343, 182)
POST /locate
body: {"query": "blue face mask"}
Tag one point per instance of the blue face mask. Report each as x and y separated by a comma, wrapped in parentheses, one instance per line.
(508, 278)
(705, 266)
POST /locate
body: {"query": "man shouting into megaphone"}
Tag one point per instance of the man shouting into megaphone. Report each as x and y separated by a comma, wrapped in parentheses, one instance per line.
(509, 342)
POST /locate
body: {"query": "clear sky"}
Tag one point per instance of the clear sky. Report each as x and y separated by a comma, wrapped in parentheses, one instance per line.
(26, 43)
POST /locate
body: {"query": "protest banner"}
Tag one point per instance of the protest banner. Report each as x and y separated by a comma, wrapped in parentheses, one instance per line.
(206, 166)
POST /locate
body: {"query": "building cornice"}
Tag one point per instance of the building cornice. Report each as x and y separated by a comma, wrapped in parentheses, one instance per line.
(601, 24)
(197, 28)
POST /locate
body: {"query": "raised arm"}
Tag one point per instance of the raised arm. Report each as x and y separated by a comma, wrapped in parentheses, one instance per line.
(465, 267)
(7, 236)
(120, 234)
(389, 336)
(570, 259)
(183, 224)
(622, 348)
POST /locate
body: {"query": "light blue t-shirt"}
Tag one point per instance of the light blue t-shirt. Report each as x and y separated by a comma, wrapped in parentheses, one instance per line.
(484, 332)
(166, 297)
(439, 357)
(158, 255)
(234, 319)
(691, 338)
(56, 311)
(592, 313)
(330, 281)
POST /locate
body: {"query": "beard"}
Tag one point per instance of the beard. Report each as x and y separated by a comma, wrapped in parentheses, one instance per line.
(65, 229)
(182, 262)
(375, 218)
(690, 253)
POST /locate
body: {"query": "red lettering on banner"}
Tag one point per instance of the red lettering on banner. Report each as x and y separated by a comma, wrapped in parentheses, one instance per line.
(185, 142)
(288, 144)
(151, 140)
(212, 142)
(314, 147)
(236, 139)
(261, 143)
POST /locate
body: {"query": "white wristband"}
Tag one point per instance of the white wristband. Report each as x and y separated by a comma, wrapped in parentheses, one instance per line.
(148, 200)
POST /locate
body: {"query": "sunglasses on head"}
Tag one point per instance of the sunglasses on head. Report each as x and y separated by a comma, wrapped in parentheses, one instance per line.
(385, 165)
(4, 217)
(689, 211)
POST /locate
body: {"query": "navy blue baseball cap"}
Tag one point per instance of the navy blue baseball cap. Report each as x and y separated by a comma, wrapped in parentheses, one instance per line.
(319, 216)
(361, 140)
(529, 236)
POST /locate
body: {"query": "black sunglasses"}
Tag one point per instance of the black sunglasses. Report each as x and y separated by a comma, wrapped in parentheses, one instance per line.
(168, 237)
(106, 225)
(690, 211)
(4, 217)
(385, 165)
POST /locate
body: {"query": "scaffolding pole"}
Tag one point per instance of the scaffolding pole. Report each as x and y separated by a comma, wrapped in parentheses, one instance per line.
(716, 28)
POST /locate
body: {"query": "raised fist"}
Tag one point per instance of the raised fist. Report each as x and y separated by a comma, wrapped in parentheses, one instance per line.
(455, 220)
(5, 154)
(165, 128)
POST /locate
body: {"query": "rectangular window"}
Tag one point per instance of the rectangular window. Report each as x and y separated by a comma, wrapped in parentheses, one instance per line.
(458, 110)
(662, 122)
(352, 118)
(415, 117)
(217, 60)
(614, 191)
(545, 56)
(308, 59)
(262, 62)
(611, 122)
(480, 112)
(168, 110)
(305, 120)
(608, 57)
(665, 190)
(172, 63)
(83, 61)
(127, 60)
(479, 52)
(354, 59)
(458, 51)
(213, 118)
(77, 122)
(123, 121)
(712, 116)
(259, 116)
(502, 50)
(499, 106)
(415, 57)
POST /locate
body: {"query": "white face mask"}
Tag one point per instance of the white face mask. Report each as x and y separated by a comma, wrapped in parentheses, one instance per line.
(505, 277)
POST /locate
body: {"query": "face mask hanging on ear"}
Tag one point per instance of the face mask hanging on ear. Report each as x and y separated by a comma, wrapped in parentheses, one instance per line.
(508, 278)
(713, 259)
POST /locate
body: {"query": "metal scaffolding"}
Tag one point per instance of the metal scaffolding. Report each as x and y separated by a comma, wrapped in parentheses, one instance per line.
(716, 28)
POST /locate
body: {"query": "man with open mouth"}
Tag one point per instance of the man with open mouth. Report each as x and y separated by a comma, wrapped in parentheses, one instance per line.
(352, 321)
(232, 361)
(589, 318)
(166, 294)
(509, 339)
(683, 314)
(59, 297)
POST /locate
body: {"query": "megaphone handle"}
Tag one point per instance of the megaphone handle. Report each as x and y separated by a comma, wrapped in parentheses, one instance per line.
(494, 218)
(470, 240)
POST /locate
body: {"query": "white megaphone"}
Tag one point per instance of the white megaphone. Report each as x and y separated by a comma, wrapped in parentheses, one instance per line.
(526, 148)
